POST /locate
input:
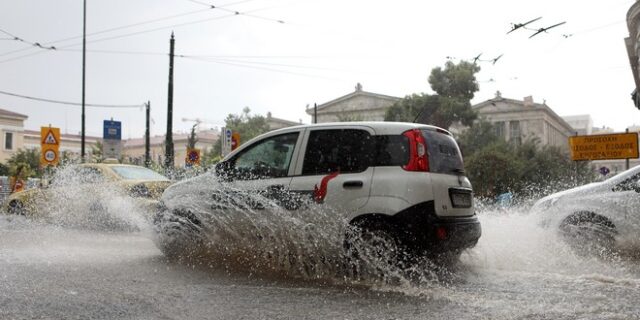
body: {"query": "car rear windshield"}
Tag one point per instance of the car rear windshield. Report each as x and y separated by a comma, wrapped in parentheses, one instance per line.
(444, 154)
(137, 173)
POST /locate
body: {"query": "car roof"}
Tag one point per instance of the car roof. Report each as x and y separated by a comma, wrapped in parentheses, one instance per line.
(380, 127)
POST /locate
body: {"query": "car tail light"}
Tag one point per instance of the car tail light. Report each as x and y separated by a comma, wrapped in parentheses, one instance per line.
(418, 158)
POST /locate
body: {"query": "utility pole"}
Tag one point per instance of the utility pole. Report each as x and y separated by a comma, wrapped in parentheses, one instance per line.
(168, 161)
(84, 55)
(147, 137)
(315, 113)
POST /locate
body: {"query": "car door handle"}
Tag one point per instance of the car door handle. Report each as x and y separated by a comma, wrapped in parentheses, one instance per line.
(352, 184)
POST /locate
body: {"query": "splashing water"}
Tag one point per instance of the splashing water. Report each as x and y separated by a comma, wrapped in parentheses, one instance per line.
(84, 199)
(275, 232)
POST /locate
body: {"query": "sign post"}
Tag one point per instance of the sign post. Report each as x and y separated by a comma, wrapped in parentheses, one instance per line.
(111, 139)
(49, 146)
(227, 140)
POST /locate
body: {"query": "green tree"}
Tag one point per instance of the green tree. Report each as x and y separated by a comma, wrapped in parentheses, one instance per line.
(97, 154)
(454, 85)
(4, 169)
(528, 170)
(25, 161)
(245, 124)
(493, 170)
(210, 157)
(193, 138)
(481, 134)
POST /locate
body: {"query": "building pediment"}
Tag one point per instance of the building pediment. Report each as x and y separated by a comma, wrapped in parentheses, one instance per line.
(503, 105)
(354, 102)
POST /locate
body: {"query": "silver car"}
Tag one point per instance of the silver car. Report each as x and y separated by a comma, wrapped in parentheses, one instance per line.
(598, 218)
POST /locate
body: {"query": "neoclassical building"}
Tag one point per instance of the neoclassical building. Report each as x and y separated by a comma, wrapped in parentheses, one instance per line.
(12, 127)
(633, 48)
(517, 120)
(359, 105)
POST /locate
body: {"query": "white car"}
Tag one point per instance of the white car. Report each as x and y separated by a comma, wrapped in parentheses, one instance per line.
(394, 185)
(598, 217)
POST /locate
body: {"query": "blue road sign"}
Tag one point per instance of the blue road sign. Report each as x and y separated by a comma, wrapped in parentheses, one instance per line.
(112, 130)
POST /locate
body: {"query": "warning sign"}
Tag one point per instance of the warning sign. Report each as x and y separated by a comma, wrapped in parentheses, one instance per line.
(50, 135)
(605, 146)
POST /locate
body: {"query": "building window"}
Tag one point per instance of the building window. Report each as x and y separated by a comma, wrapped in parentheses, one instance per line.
(514, 132)
(499, 129)
(8, 140)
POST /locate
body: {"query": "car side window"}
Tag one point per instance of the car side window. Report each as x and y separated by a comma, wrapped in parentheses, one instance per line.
(269, 158)
(338, 150)
(631, 184)
(90, 175)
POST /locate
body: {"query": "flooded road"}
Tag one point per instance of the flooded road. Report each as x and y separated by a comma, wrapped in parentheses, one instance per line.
(517, 271)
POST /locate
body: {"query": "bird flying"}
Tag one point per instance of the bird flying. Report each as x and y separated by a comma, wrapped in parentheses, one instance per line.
(545, 29)
(494, 60)
(477, 58)
(516, 26)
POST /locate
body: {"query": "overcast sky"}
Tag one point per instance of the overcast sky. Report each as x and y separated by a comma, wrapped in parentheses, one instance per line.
(319, 52)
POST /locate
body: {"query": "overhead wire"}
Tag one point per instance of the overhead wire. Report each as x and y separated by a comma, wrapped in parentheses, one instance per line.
(245, 65)
(234, 13)
(258, 63)
(70, 103)
(31, 44)
(112, 29)
(146, 53)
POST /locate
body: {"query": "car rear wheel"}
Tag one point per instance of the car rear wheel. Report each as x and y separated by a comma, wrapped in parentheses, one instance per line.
(589, 234)
(373, 249)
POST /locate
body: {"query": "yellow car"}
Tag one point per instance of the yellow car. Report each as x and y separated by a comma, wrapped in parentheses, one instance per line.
(93, 181)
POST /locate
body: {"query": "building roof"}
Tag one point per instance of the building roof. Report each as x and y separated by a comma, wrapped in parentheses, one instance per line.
(206, 135)
(358, 92)
(523, 106)
(7, 113)
(62, 136)
(283, 122)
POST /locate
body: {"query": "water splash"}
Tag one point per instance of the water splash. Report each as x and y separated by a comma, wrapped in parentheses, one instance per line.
(212, 222)
(84, 199)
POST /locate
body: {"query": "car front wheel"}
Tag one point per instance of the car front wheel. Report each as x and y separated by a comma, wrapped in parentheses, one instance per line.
(17, 207)
(589, 234)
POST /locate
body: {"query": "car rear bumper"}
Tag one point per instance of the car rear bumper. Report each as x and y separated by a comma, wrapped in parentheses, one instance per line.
(421, 229)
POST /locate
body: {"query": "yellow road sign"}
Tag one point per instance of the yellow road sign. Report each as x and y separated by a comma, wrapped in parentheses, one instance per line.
(49, 144)
(604, 146)
(50, 136)
(49, 156)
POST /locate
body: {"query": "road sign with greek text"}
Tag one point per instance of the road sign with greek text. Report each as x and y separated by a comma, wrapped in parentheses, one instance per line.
(604, 146)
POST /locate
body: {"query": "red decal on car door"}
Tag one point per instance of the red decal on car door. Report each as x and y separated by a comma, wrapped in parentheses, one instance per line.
(320, 193)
